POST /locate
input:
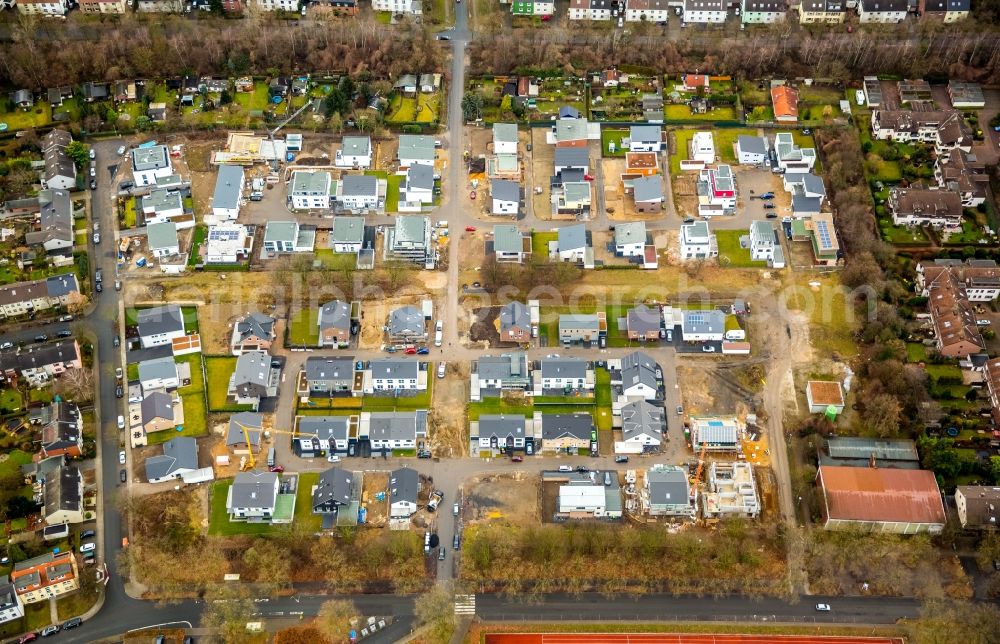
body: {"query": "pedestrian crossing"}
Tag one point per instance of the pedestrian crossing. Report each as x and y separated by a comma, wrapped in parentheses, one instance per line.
(465, 604)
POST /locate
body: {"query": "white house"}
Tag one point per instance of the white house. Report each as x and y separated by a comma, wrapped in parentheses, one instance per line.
(386, 374)
(417, 188)
(228, 192)
(348, 234)
(645, 138)
(43, 7)
(227, 243)
(638, 376)
(389, 430)
(764, 245)
(310, 190)
(572, 243)
(647, 10)
(289, 237)
(161, 239)
(703, 147)
(506, 197)
(416, 149)
(504, 138)
(882, 10)
(805, 184)
(159, 373)
(253, 496)
(404, 488)
(763, 11)
(703, 325)
(159, 325)
(358, 192)
(751, 150)
(790, 157)
(150, 164)
(162, 205)
(332, 432)
(590, 10)
(630, 239)
(704, 11)
(643, 424)
(413, 7)
(697, 241)
(498, 431)
(354, 152)
(565, 373)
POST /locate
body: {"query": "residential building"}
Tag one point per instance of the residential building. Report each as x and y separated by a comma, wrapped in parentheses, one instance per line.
(355, 152)
(227, 243)
(790, 157)
(965, 96)
(804, 207)
(952, 314)
(253, 332)
(641, 164)
(638, 376)
(159, 325)
(571, 197)
(46, 576)
(977, 280)
(581, 327)
(585, 498)
(704, 11)
(387, 374)
(590, 10)
(55, 223)
(163, 6)
(11, 607)
(500, 432)
(348, 234)
(391, 430)
(253, 378)
(751, 150)
(150, 164)
(570, 158)
(697, 241)
(703, 325)
(417, 188)
(242, 426)
(333, 433)
(506, 197)
(668, 493)
(652, 104)
(159, 412)
(410, 240)
(923, 207)
(647, 196)
(565, 373)
(715, 433)
(991, 375)
(416, 149)
(630, 238)
(22, 298)
(228, 193)
(915, 91)
(964, 174)
(567, 432)
(60, 169)
(253, 497)
(649, 11)
(326, 376)
(158, 374)
(161, 239)
(702, 148)
(62, 495)
(161, 205)
(413, 7)
(62, 432)
(644, 323)
(826, 11)
(978, 507)
(572, 243)
(407, 324)
(785, 101)
(947, 11)
(358, 192)
(284, 5)
(731, 491)
(764, 244)
(494, 374)
(289, 237)
(334, 489)
(510, 244)
(882, 10)
(821, 395)
(822, 234)
(945, 129)
(178, 461)
(39, 364)
(505, 138)
(42, 8)
(334, 322)
(572, 130)
(717, 187)
(880, 499)
(404, 489)
(643, 424)
(763, 11)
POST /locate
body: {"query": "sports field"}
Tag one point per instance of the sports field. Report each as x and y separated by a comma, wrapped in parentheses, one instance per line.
(683, 638)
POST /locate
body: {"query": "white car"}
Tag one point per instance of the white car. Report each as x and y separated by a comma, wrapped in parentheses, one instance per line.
(88, 547)
(121, 457)
(983, 322)
(121, 424)
(823, 607)
(708, 348)
(92, 153)
(565, 468)
(333, 458)
(441, 368)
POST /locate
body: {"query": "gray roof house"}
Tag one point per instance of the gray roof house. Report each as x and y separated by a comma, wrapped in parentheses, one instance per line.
(252, 422)
(416, 148)
(390, 369)
(556, 426)
(162, 239)
(253, 378)
(504, 133)
(703, 325)
(669, 491)
(499, 430)
(643, 423)
(348, 233)
(180, 456)
(334, 322)
(253, 494)
(334, 489)
(514, 316)
(325, 428)
(505, 190)
(396, 428)
(325, 375)
(639, 375)
(359, 185)
(407, 323)
(158, 370)
(564, 368)
(647, 190)
(643, 322)
(645, 137)
(159, 322)
(566, 158)
(228, 190)
(509, 371)
(509, 243)
(55, 230)
(572, 238)
(252, 330)
(404, 489)
(410, 239)
(156, 406)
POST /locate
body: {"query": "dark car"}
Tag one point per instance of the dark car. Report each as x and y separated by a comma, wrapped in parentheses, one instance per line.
(424, 453)
(581, 468)
(116, 341)
(88, 534)
(65, 333)
(41, 337)
(73, 623)
(98, 287)
(93, 184)
(123, 476)
(441, 553)
(621, 459)
(769, 206)
(456, 542)
(119, 392)
(771, 215)
(516, 459)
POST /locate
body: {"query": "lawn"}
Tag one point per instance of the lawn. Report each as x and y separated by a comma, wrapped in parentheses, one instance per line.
(130, 215)
(305, 520)
(255, 100)
(498, 406)
(336, 261)
(424, 108)
(219, 523)
(393, 182)
(74, 604)
(682, 140)
(37, 116)
(540, 243)
(730, 252)
(916, 352)
(15, 460)
(384, 17)
(219, 369)
(901, 234)
(193, 399)
(971, 233)
(303, 327)
(683, 113)
(830, 312)
(402, 403)
(197, 239)
(938, 371)
(609, 136)
(10, 401)
(725, 142)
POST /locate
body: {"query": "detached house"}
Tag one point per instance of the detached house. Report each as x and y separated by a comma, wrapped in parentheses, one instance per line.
(504, 138)
(179, 460)
(515, 323)
(310, 190)
(785, 100)
(160, 325)
(150, 164)
(697, 241)
(416, 149)
(159, 412)
(764, 245)
(716, 189)
(354, 152)
(325, 376)
(407, 324)
(630, 238)
(506, 197)
(348, 234)
(643, 323)
(882, 10)
(228, 193)
(55, 223)
(790, 157)
(412, 7)
(572, 243)
(253, 379)
(254, 332)
(510, 244)
(410, 240)
(638, 376)
(647, 194)
(334, 490)
(158, 374)
(289, 237)
(358, 192)
(334, 321)
(417, 188)
(643, 424)
(404, 489)
(751, 150)
(253, 497)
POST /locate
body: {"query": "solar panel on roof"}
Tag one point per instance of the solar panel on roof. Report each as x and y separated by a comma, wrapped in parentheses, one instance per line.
(824, 234)
(223, 235)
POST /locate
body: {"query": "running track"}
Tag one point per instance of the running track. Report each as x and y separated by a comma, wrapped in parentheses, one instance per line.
(669, 638)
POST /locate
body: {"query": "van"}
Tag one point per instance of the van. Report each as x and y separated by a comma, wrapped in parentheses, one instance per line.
(441, 367)
(270, 457)
(438, 338)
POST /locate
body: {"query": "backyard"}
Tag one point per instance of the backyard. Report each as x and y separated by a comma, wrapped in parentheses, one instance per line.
(422, 108)
(731, 253)
(219, 369)
(303, 329)
(609, 136)
(193, 399)
(683, 113)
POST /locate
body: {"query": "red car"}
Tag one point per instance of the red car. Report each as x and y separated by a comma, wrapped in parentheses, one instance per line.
(516, 459)
(470, 229)
(276, 468)
(27, 637)
(472, 195)
(410, 351)
(546, 18)
(588, 177)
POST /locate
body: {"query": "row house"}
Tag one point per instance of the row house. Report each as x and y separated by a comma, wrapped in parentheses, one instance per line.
(955, 329)
(964, 174)
(763, 11)
(40, 364)
(590, 9)
(23, 298)
(882, 10)
(822, 11)
(45, 577)
(923, 207)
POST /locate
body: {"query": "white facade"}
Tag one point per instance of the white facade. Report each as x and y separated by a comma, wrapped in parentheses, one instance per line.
(161, 6)
(698, 242)
(356, 152)
(704, 11)
(504, 207)
(398, 6)
(703, 147)
(150, 164)
(750, 154)
(590, 10)
(761, 241)
(880, 16)
(12, 610)
(278, 5)
(56, 8)
(227, 244)
(310, 190)
(647, 11)
(762, 11)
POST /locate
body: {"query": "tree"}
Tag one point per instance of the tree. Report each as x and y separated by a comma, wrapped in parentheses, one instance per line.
(269, 563)
(227, 611)
(79, 152)
(75, 384)
(472, 106)
(882, 413)
(435, 609)
(941, 621)
(334, 619)
(506, 105)
(308, 634)
(337, 102)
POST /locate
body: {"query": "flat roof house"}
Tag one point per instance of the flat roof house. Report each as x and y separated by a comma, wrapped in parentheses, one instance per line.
(416, 149)
(289, 237)
(228, 192)
(354, 152)
(645, 138)
(150, 164)
(822, 394)
(227, 243)
(880, 500)
(697, 241)
(11, 607)
(505, 138)
(348, 234)
(310, 189)
(703, 325)
(978, 506)
(716, 433)
(510, 244)
(630, 237)
(162, 239)
(410, 240)
(572, 242)
(158, 374)
(751, 150)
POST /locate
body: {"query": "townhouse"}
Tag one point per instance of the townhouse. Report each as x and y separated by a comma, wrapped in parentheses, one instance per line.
(923, 207)
(567, 432)
(643, 424)
(763, 11)
(565, 374)
(39, 364)
(647, 10)
(159, 325)
(950, 289)
(822, 11)
(505, 433)
(582, 327)
(45, 577)
(254, 377)
(61, 430)
(326, 376)
(494, 374)
(394, 430)
(638, 376)
(882, 10)
(387, 374)
(23, 298)
(590, 9)
(55, 223)
(62, 497)
(357, 192)
(963, 174)
(407, 324)
(332, 433)
(704, 11)
(60, 169)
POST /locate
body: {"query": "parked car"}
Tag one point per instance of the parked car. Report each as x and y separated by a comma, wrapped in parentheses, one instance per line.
(456, 542)
(470, 229)
(621, 459)
(769, 206)
(823, 607)
(123, 476)
(424, 453)
(65, 333)
(582, 469)
(422, 351)
(50, 630)
(119, 374)
(443, 37)
(118, 285)
(121, 150)
(28, 637)
(680, 410)
(565, 468)
(771, 215)
(65, 318)
(410, 351)
(516, 459)
(7, 345)
(98, 287)
(93, 172)
(119, 391)
(454, 510)
(116, 341)
(121, 457)
(93, 184)
(87, 547)
(276, 468)
(441, 553)
(708, 348)
(88, 534)
(92, 153)
(441, 368)
(73, 623)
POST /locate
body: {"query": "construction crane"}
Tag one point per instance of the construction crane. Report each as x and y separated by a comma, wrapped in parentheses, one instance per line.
(251, 460)
(701, 463)
(270, 135)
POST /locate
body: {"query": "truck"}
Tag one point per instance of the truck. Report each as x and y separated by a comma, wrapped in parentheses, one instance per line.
(435, 501)
(271, 457)
(438, 333)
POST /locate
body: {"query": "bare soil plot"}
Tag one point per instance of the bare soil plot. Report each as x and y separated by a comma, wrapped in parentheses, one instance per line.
(685, 194)
(449, 437)
(384, 157)
(542, 157)
(377, 510)
(509, 497)
(483, 327)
